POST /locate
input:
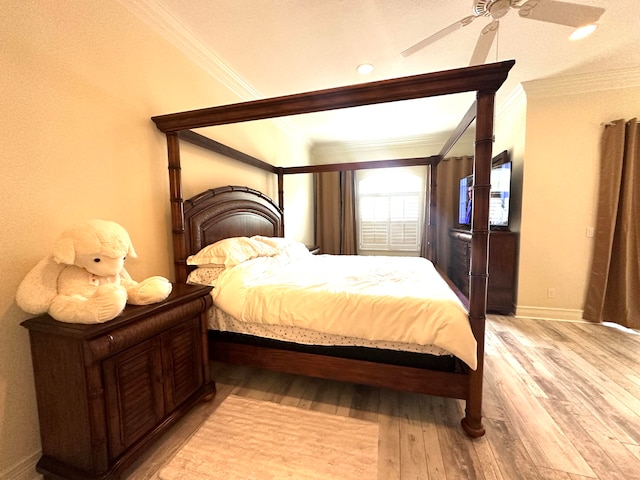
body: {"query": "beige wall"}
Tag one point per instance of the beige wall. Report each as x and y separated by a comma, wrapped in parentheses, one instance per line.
(561, 162)
(510, 134)
(79, 84)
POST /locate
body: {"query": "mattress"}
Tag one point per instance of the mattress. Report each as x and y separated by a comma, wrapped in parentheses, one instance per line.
(398, 303)
(223, 322)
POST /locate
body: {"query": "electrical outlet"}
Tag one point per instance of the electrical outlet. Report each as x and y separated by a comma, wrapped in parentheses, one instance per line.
(590, 232)
(551, 293)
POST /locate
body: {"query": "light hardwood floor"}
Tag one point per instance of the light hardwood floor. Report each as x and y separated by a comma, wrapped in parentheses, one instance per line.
(561, 401)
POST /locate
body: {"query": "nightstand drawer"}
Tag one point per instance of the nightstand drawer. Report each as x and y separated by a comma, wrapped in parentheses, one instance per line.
(503, 246)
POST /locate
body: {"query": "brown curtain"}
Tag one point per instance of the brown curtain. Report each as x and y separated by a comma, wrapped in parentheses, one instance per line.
(613, 294)
(335, 213)
(450, 171)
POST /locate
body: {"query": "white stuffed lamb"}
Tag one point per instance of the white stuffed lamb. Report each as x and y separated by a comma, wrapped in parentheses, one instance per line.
(84, 279)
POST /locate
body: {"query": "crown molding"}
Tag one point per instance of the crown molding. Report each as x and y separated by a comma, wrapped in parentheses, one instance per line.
(583, 83)
(515, 98)
(322, 149)
(155, 14)
(382, 148)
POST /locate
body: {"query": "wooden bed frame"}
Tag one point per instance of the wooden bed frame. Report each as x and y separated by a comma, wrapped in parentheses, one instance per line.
(238, 211)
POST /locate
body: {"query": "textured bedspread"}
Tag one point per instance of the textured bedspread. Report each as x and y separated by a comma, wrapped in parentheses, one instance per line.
(397, 299)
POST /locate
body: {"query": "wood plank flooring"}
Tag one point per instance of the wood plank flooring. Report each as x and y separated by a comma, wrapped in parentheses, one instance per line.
(561, 402)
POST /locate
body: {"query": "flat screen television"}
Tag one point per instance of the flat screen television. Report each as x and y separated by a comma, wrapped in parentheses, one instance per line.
(498, 198)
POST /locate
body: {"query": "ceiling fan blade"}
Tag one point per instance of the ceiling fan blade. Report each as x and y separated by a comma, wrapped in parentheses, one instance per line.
(562, 13)
(485, 41)
(438, 35)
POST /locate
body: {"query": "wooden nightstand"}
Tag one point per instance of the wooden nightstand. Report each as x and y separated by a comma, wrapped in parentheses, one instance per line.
(105, 392)
(314, 249)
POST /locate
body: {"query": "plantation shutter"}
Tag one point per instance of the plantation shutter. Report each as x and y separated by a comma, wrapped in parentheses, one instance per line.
(390, 221)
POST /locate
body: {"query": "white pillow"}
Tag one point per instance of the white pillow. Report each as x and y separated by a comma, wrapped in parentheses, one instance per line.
(276, 242)
(231, 252)
(291, 248)
(205, 275)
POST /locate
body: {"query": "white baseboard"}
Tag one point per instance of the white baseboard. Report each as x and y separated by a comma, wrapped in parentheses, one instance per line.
(24, 470)
(542, 313)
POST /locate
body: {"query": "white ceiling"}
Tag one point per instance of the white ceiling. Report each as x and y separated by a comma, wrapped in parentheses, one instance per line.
(280, 47)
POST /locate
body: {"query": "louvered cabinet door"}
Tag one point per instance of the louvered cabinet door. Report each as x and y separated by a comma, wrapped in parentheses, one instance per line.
(107, 391)
(134, 394)
(182, 359)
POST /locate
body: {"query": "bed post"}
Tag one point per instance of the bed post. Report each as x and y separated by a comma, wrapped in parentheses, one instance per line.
(280, 173)
(472, 422)
(177, 207)
(482, 79)
(431, 218)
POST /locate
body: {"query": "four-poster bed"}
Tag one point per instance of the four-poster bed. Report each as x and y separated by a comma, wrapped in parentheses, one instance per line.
(238, 212)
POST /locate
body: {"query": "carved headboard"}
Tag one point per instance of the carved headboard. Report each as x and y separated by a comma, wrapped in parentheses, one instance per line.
(225, 212)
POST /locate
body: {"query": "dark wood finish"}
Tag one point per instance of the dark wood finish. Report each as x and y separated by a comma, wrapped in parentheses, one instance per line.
(341, 167)
(487, 77)
(482, 79)
(454, 385)
(431, 219)
(209, 144)
(134, 395)
(217, 147)
(281, 193)
(472, 421)
(468, 118)
(503, 260)
(314, 249)
(418, 380)
(105, 392)
(224, 212)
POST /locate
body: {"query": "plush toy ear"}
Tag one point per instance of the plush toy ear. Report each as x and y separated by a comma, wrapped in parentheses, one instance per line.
(131, 253)
(64, 251)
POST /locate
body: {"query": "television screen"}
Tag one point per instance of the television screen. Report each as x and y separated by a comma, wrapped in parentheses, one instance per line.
(464, 207)
(498, 197)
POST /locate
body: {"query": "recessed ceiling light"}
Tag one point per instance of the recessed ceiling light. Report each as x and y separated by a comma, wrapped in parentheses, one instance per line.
(365, 68)
(582, 32)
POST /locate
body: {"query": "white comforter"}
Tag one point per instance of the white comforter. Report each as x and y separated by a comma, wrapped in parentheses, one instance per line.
(398, 299)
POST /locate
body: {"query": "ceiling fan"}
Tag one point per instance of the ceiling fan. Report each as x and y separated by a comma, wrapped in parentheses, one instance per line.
(563, 13)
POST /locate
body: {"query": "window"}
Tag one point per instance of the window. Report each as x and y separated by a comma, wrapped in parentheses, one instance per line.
(390, 206)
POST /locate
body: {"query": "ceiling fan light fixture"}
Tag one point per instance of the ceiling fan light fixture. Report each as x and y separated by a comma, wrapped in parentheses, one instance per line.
(364, 68)
(559, 12)
(499, 8)
(582, 32)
